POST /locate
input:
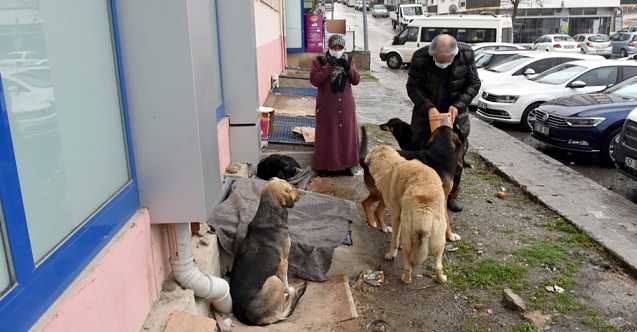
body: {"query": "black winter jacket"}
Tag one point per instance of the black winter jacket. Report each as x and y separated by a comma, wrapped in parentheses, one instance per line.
(422, 88)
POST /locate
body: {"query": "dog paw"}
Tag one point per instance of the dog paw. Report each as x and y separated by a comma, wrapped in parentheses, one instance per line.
(406, 278)
(387, 229)
(441, 278)
(390, 255)
(454, 237)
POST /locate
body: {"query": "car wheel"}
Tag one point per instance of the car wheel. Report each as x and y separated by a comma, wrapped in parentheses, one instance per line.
(525, 122)
(394, 61)
(611, 142)
(624, 53)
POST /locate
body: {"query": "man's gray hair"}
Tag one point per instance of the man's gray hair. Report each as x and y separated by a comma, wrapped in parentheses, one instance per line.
(446, 48)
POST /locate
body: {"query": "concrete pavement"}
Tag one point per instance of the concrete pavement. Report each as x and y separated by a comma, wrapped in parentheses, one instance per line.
(608, 218)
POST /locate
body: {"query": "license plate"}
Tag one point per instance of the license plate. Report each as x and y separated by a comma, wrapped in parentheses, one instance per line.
(569, 46)
(542, 129)
(482, 105)
(631, 163)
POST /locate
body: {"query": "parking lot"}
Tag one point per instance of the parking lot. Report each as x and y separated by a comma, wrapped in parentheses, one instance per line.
(381, 32)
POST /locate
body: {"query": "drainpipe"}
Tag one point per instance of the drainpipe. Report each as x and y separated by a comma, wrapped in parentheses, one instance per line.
(213, 289)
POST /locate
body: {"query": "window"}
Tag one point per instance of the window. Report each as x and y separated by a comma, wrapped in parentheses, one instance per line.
(560, 74)
(599, 77)
(625, 89)
(598, 38)
(539, 66)
(628, 72)
(507, 35)
(408, 35)
(512, 62)
(66, 181)
(467, 35)
(6, 278)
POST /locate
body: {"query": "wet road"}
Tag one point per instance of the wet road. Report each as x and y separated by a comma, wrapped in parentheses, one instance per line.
(373, 103)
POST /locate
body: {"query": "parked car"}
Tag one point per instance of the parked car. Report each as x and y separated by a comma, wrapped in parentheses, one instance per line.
(558, 43)
(490, 59)
(482, 47)
(380, 11)
(525, 64)
(21, 58)
(624, 44)
(405, 14)
(588, 123)
(594, 44)
(626, 151)
(627, 29)
(513, 103)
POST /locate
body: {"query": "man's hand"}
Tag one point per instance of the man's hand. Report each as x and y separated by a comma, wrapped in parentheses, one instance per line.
(454, 113)
(432, 110)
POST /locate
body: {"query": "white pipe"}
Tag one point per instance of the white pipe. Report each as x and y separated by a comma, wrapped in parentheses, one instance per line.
(213, 289)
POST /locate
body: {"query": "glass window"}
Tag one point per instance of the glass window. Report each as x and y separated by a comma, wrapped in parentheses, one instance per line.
(560, 74)
(599, 77)
(428, 34)
(507, 35)
(598, 38)
(66, 119)
(511, 63)
(412, 34)
(539, 66)
(626, 88)
(628, 72)
(411, 11)
(563, 38)
(5, 266)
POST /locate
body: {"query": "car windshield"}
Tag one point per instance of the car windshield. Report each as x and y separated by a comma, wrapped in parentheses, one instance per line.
(410, 11)
(626, 89)
(598, 38)
(563, 38)
(377, 7)
(559, 74)
(38, 78)
(510, 63)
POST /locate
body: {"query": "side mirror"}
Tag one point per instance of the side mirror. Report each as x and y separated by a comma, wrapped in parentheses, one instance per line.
(529, 72)
(396, 41)
(577, 85)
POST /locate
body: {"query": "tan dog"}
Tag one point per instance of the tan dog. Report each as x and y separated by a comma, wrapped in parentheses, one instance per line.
(259, 282)
(414, 194)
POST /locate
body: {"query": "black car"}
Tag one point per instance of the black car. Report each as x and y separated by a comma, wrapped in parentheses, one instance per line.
(626, 151)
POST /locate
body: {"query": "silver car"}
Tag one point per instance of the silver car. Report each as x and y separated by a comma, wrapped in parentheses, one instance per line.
(624, 44)
(597, 44)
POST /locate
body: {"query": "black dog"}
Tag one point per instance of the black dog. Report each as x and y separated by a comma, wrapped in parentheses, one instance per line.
(401, 131)
(277, 166)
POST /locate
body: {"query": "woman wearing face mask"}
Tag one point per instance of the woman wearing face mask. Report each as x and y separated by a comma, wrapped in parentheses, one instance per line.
(336, 142)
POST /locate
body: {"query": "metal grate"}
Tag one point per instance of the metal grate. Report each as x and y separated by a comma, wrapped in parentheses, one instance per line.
(282, 129)
(552, 120)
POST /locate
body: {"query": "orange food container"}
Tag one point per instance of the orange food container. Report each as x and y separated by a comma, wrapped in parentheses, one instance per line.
(437, 120)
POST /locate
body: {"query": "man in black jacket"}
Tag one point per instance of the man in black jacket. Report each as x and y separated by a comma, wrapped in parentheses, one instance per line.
(443, 77)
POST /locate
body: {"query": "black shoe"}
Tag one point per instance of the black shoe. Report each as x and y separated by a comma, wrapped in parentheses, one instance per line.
(454, 205)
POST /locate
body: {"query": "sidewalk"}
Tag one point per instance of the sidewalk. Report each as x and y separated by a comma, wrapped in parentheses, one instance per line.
(605, 216)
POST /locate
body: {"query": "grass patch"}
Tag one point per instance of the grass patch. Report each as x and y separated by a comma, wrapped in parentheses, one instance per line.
(367, 76)
(559, 224)
(487, 273)
(526, 327)
(542, 252)
(566, 303)
(580, 239)
(466, 249)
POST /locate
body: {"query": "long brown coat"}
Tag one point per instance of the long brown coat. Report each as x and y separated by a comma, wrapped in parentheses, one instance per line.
(336, 142)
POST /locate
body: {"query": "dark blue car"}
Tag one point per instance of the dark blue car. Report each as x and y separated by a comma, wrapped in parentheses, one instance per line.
(589, 123)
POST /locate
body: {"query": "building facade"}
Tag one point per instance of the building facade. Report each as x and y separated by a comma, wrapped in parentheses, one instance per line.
(538, 17)
(117, 117)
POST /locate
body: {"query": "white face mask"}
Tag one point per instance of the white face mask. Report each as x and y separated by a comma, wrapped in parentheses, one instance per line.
(443, 65)
(336, 54)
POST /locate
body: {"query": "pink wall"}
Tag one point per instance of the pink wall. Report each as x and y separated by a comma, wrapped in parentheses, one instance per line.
(223, 143)
(116, 291)
(269, 62)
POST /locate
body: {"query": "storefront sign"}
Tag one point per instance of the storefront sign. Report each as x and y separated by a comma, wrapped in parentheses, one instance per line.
(314, 33)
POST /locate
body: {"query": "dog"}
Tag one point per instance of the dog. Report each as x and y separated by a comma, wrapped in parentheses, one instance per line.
(414, 194)
(259, 285)
(401, 131)
(442, 152)
(277, 166)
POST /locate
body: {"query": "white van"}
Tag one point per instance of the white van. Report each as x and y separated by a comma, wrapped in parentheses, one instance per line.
(405, 14)
(466, 28)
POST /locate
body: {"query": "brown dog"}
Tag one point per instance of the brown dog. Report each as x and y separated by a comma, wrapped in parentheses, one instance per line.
(415, 196)
(443, 153)
(259, 282)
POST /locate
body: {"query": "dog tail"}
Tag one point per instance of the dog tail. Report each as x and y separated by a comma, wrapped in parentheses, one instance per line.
(291, 302)
(299, 291)
(363, 150)
(420, 237)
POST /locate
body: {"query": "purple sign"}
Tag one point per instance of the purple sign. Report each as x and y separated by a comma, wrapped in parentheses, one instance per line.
(314, 33)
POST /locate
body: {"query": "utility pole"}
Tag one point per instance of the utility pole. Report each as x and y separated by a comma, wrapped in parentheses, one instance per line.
(333, 8)
(365, 42)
